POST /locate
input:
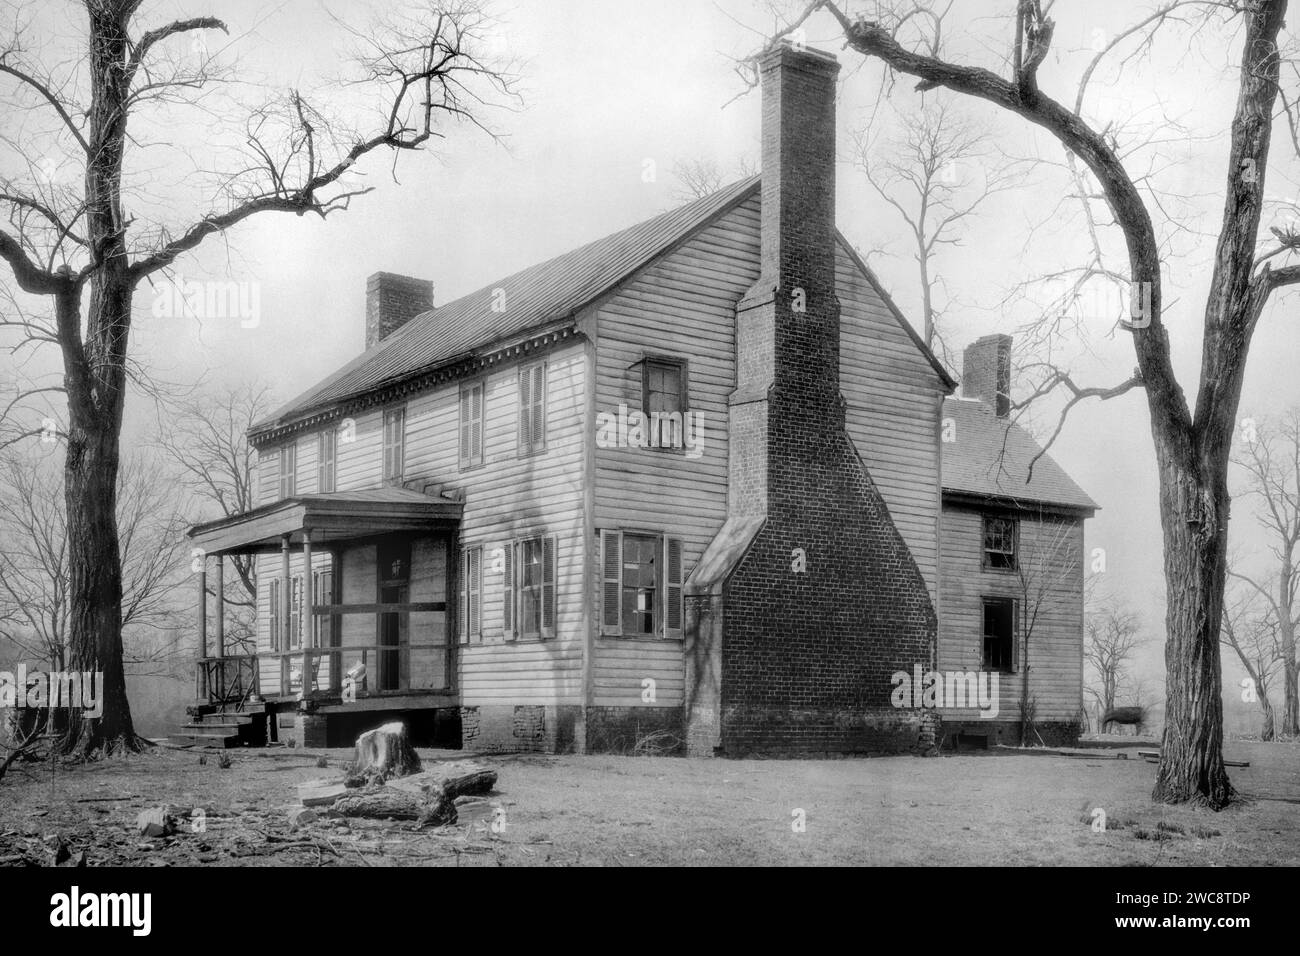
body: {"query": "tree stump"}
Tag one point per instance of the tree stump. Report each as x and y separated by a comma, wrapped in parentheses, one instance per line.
(385, 752)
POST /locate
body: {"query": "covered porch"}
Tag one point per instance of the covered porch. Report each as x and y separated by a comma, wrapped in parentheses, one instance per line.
(353, 603)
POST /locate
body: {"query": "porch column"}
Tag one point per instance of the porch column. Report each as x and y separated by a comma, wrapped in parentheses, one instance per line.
(220, 588)
(308, 612)
(201, 572)
(286, 608)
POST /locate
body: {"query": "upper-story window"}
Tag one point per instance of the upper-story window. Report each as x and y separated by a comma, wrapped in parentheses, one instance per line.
(1000, 536)
(326, 456)
(394, 445)
(663, 399)
(288, 469)
(532, 408)
(471, 424)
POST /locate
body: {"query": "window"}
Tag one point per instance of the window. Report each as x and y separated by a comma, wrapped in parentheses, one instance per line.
(288, 470)
(663, 400)
(470, 615)
(322, 596)
(394, 445)
(471, 425)
(1000, 543)
(1000, 645)
(529, 588)
(326, 452)
(641, 587)
(532, 408)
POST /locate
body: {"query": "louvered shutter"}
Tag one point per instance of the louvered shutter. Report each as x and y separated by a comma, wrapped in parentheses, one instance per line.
(525, 415)
(477, 394)
(673, 587)
(611, 576)
(539, 407)
(508, 592)
(548, 586)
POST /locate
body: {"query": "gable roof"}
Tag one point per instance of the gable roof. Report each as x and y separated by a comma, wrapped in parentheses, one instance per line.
(551, 290)
(990, 457)
(533, 299)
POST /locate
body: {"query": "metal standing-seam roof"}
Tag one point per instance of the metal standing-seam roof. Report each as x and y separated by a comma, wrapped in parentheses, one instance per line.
(990, 457)
(548, 291)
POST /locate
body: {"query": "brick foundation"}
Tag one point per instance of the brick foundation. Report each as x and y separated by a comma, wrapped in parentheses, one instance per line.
(521, 728)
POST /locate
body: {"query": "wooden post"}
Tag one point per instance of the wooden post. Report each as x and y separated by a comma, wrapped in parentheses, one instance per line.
(220, 588)
(202, 575)
(308, 612)
(286, 608)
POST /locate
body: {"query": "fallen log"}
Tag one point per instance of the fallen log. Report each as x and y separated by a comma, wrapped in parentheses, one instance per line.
(433, 802)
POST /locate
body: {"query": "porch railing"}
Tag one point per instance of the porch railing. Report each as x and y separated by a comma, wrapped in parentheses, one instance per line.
(384, 668)
(227, 680)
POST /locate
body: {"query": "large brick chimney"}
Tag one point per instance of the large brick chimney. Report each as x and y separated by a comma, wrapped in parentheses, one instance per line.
(807, 600)
(986, 372)
(391, 302)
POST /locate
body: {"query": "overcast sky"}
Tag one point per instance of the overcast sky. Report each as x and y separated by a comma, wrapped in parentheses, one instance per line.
(610, 86)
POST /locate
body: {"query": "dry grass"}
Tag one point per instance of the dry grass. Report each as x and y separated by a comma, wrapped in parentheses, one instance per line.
(985, 809)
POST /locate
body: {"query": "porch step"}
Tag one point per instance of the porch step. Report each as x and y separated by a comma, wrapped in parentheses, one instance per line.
(218, 740)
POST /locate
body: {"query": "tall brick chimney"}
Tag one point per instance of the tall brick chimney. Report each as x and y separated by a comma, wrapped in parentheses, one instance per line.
(807, 600)
(391, 302)
(986, 372)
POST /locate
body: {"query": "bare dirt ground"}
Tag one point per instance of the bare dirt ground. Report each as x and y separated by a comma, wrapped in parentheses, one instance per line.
(996, 808)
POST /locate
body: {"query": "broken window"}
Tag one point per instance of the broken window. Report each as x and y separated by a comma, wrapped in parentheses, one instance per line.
(663, 400)
(1000, 543)
(1000, 634)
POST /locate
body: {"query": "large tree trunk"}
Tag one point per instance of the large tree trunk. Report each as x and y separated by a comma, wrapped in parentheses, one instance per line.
(96, 389)
(95, 581)
(1266, 730)
(1194, 516)
(1291, 694)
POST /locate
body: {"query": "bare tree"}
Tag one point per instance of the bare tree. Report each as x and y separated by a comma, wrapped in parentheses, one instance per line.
(1048, 568)
(1271, 460)
(1113, 634)
(1254, 635)
(935, 169)
(1192, 444)
(35, 572)
(206, 437)
(697, 178)
(85, 249)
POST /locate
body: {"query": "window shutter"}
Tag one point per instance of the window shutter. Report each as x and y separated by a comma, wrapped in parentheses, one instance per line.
(466, 452)
(508, 592)
(539, 407)
(548, 586)
(475, 583)
(274, 616)
(611, 576)
(525, 415)
(462, 603)
(673, 587)
(476, 396)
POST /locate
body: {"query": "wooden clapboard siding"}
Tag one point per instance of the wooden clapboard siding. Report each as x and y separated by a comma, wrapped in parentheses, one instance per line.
(893, 407)
(1055, 652)
(681, 305)
(512, 497)
(359, 456)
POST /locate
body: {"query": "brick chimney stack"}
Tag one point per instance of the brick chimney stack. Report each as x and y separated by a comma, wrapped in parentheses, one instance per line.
(808, 600)
(986, 372)
(392, 301)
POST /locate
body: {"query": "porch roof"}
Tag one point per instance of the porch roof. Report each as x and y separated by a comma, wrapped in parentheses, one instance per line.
(329, 517)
